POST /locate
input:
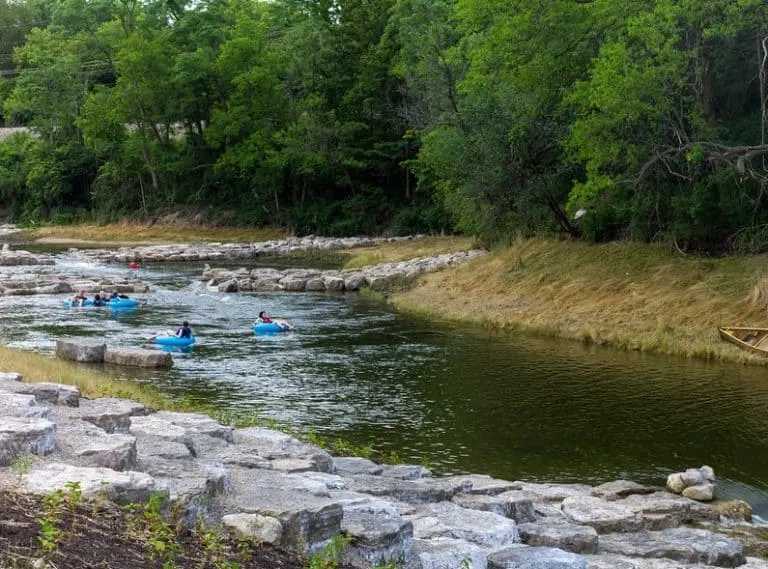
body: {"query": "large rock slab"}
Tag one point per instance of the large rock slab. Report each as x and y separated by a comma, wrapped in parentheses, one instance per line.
(81, 350)
(262, 529)
(555, 492)
(568, 537)
(444, 552)
(121, 487)
(89, 445)
(19, 437)
(274, 445)
(424, 491)
(356, 465)
(112, 415)
(138, 358)
(605, 517)
(526, 557)
(187, 428)
(619, 489)
(446, 519)
(516, 505)
(52, 393)
(308, 516)
(22, 406)
(680, 544)
(379, 536)
(662, 510)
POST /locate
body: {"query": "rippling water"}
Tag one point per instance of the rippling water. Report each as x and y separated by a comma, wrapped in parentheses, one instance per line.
(466, 400)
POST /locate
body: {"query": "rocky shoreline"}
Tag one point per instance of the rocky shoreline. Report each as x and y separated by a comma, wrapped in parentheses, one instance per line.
(24, 284)
(277, 489)
(16, 257)
(382, 277)
(185, 252)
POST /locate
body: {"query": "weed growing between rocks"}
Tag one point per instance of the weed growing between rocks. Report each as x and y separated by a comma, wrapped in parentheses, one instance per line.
(64, 531)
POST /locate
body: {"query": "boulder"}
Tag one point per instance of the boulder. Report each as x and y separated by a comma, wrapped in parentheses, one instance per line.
(555, 492)
(274, 445)
(121, 487)
(19, 437)
(605, 517)
(138, 358)
(117, 452)
(568, 537)
(356, 465)
(444, 552)
(379, 536)
(404, 471)
(515, 505)
(52, 393)
(681, 544)
(112, 415)
(527, 557)
(619, 489)
(229, 286)
(446, 519)
(253, 526)
(700, 492)
(427, 490)
(81, 350)
(22, 406)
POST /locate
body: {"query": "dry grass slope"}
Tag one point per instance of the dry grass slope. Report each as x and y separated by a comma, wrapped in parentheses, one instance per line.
(630, 295)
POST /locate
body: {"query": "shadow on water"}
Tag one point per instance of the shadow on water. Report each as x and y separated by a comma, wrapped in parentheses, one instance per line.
(467, 400)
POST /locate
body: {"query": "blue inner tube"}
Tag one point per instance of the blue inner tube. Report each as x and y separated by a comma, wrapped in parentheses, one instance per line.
(115, 303)
(123, 303)
(268, 328)
(174, 341)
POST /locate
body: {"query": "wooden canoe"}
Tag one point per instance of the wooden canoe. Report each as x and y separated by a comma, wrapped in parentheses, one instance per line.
(751, 339)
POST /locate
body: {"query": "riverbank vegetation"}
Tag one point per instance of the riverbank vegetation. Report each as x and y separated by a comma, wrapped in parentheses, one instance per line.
(495, 118)
(63, 530)
(630, 295)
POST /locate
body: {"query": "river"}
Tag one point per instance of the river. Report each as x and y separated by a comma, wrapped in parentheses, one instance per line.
(465, 400)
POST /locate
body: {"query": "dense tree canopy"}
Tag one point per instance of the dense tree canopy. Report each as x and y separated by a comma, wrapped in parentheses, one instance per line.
(498, 118)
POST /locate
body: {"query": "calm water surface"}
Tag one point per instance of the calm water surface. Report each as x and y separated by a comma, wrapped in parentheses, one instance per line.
(464, 399)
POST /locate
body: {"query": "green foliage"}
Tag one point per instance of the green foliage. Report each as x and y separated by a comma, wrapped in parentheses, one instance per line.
(498, 118)
(329, 557)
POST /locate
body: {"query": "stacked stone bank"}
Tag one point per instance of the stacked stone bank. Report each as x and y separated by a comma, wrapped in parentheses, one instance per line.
(382, 277)
(181, 252)
(268, 484)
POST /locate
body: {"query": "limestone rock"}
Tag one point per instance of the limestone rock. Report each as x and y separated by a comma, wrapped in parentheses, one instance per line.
(619, 489)
(122, 487)
(605, 517)
(527, 557)
(117, 452)
(404, 471)
(260, 528)
(555, 492)
(356, 465)
(379, 536)
(81, 350)
(515, 505)
(274, 445)
(424, 491)
(681, 544)
(700, 492)
(53, 393)
(443, 552)
(445, 519)
(112, 415)
(568, 537)
(138, 358)
(19, 437)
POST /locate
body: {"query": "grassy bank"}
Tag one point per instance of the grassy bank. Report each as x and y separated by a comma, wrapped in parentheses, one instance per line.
(629, 295)
(145, 234)
(92, 382)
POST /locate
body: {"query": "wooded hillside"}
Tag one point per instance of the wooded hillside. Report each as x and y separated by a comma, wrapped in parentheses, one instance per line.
(492, 117)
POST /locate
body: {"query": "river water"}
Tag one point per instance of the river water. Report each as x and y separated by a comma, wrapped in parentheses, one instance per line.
(465, 400)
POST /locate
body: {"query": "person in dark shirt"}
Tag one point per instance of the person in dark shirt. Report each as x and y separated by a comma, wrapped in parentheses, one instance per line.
(185, 331)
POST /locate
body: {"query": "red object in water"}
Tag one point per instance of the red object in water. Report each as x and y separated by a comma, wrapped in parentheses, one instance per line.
(134, 265)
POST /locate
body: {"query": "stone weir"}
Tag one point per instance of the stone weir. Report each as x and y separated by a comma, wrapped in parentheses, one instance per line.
(270, 486)
(230, 251)
(381, 277)
(9, 257)
(28, 284)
